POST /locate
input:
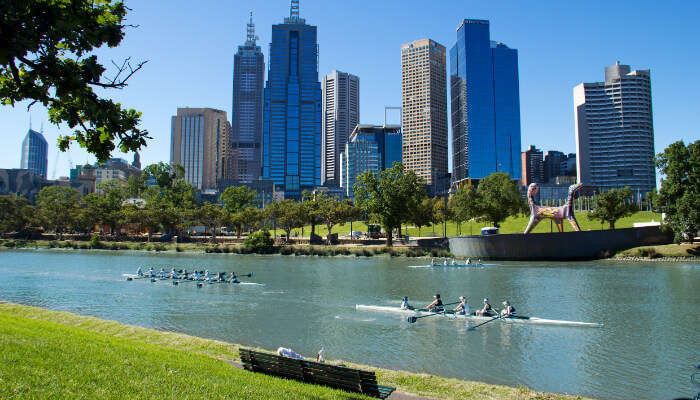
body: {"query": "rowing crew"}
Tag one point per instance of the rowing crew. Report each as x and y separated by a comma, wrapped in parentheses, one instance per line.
(467, 261)
(196, 276)
(462, 308)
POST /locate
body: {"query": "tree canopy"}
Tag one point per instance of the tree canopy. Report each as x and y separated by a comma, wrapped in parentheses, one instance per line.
(46, 56)
(498, 198)
(679, 196)
(613, 205)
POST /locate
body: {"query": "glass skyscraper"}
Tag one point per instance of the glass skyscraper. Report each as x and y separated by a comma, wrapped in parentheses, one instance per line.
(291, 147)
(247, 112)
(35, 151)
(485, 99)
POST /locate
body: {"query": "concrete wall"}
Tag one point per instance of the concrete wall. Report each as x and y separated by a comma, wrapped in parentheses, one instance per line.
(556, 246)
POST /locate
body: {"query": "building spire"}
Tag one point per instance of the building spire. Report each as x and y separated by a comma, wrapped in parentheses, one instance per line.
(294, 10)
(250, 32)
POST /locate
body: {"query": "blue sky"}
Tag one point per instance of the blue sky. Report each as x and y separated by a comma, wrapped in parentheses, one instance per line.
(190, 48)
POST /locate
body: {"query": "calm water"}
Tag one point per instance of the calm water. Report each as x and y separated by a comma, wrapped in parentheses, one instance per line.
(647, 348)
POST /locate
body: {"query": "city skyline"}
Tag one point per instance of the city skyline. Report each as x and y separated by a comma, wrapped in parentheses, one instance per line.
(547, 127)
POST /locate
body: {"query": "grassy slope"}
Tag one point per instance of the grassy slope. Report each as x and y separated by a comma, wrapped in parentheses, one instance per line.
(57, 354)
(666, 250)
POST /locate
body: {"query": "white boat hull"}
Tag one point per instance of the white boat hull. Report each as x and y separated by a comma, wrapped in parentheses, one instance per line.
(478, 319)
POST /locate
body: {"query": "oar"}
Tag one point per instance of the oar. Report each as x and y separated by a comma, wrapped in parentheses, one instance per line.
(471, 328)
(412, 319)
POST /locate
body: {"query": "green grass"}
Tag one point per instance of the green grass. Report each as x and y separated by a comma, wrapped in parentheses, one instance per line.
(49, 354)
(666, 250)
(515, 224)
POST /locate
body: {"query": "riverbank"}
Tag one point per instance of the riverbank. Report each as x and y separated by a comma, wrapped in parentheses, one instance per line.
(684, 252)
(297, 250)
(50, 353)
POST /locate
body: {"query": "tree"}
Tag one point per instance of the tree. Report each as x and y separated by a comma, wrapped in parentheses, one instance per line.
(250, 217)
(499, 197)
(15, 213)
(423, 214)
(613, 205)
(46, 56)
(465, 205)
(165, 175)
(210, 215)
(389, 196)
(679, 196)
(58, 207)
(235, 199)
(110, 204)
(135, 185)
(311, 207)
(144, 217)
(288, 214)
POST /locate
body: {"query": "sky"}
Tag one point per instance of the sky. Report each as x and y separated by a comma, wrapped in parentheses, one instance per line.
(190, 45)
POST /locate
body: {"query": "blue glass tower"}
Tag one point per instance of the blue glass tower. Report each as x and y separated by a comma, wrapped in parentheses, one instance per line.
(292, 119)
(35, 152)
(485, 100)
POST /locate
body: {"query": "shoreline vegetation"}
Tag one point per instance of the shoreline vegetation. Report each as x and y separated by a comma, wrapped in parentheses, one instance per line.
(107, 359)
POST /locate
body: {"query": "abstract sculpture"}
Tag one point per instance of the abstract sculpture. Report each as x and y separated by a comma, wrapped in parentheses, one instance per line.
(557, 214)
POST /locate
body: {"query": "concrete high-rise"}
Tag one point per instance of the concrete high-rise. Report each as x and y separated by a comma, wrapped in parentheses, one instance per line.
(424, 109)
(291, 145)
(200, 141)
(341, 114)
(615, 130)
(532, 166)
(247, 111)
(485, 104)
(35, 151)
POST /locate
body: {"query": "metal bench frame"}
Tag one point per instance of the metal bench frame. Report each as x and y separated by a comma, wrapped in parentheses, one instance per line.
(348, 379)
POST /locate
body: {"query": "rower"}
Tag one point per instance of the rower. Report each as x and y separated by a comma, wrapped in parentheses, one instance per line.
(185, 275)
(405, 305)
(139, 272)
(463, 307)
(234, 278)
(444, 262)
(478, 262)
(432, 262)
(487, 310)
(222, 277)
(436, 305)
(163, 274)
(508, 311)
(196, 275)
(468, 261)
(207, 275)
(151, 272)
(453, 261)
(173, 274)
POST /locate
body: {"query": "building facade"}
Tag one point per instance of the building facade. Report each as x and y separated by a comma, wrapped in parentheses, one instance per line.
(247, 111)
(424, 109)
(615, 130)
(532, 166)
(291, 148)
(554, 165)
(369, 148)
(341, 114)
(35, 153)
(200, 142)
(485, 104)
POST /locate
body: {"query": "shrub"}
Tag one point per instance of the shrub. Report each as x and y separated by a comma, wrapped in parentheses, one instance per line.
(260, 242)
(52, 244)
(286, 250)
(159, 247)
(9, 244)
(95, 242)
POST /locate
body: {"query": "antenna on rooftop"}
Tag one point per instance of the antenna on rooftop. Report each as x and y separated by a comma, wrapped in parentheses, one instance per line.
(294, 10)
(250, 31)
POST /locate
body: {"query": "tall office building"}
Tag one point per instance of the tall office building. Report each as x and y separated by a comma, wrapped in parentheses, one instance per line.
(424, 109)
(341, 113)
(369, 148)
(292, 120)
(200, 141)
(35, 153)
(247, 112)
(485, 100)
(615, 130)
(555, 163)
(532, 166)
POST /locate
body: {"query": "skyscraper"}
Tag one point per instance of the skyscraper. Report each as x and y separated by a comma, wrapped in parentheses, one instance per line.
(247, 112)
(424, 105)
(341, 113)
(200, 142)
(555, 163)
(485, 103)
(369, 148)
(34, 153)
(292, 120)
(532, 166)
(615, 130)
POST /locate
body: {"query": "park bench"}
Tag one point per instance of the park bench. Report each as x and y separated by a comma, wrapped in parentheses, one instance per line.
(348, 379)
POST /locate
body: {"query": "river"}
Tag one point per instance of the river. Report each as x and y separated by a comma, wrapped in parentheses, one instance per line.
(646, 348)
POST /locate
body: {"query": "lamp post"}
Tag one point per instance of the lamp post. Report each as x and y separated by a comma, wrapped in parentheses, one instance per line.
(448, 192)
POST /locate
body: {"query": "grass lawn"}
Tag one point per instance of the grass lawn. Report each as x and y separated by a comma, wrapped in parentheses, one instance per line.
(515, 224)
(666, 250)
(49, 354)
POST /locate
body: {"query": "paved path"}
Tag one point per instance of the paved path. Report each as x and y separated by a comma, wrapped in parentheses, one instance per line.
(394, 396)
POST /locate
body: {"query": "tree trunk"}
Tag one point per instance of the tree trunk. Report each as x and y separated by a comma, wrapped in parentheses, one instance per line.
(389, 234)
(238, 231)
(612, 224)
(313, 228)
(399, 230)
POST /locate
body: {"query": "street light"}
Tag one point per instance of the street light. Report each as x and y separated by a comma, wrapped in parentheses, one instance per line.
(449, 192)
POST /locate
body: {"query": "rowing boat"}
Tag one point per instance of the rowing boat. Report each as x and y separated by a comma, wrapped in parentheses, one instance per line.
(475, 318)
(454, 266)
(134, 276)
